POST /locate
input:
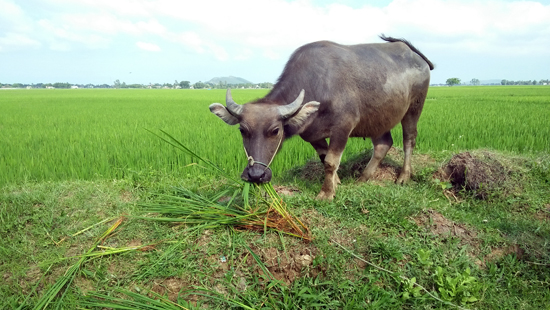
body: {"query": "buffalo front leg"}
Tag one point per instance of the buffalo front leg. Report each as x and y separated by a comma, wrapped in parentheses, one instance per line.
(381, 146)
(321, 147)
(332, 162)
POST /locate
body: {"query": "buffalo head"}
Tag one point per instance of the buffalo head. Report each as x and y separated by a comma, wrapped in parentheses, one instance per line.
(264, 125)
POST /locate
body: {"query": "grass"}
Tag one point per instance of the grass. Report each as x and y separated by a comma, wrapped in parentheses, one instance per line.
(52, 135)
(379, 222)
(493, 255)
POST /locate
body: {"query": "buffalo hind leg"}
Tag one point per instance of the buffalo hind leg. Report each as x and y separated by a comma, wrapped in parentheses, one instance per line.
(381, 146)
(409, 142)
(409, 124)
(321, 147)
(332, 162)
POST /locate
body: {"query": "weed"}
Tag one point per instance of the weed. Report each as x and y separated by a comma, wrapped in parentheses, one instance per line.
(462, 288)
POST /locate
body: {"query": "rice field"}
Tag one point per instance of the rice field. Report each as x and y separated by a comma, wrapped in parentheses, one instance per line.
(88, 134)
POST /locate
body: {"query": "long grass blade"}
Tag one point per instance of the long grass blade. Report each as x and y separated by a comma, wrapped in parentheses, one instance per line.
(66, 280)
(175, 143)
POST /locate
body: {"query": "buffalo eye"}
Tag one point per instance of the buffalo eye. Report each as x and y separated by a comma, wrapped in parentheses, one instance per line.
(243, 131)
(275, 131)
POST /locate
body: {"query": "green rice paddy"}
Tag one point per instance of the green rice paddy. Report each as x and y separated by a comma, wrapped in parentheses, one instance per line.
(88, 134)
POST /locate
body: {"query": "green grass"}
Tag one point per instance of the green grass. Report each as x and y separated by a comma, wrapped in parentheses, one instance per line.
(379, 223)
(100, 134)
(51, 191)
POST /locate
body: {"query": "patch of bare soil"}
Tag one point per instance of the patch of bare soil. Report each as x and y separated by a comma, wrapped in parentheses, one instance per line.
(84, 285)
(287, 265)
(286, 190)
(171, 287)
(205, 239)
(498, 253)
(479, 175)
(544, 214)
(441, 226)
(31, 277)
(126, 196)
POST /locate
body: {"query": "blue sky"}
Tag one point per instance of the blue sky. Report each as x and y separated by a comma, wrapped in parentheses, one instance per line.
(158, 41)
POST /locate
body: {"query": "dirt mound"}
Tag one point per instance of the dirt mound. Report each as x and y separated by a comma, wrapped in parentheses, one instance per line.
(352, 168)
(313, 170)
(479, 175)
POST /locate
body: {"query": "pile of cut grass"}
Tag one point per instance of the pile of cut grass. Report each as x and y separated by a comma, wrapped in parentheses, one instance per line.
(266, 210)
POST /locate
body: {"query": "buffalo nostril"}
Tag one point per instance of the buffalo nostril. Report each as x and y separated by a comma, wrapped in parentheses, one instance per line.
(256, 174)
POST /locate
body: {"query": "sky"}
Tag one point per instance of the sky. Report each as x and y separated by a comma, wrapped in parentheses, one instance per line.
(160, 41)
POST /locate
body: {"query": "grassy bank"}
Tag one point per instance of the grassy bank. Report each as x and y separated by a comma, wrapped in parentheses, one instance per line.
(493, 251)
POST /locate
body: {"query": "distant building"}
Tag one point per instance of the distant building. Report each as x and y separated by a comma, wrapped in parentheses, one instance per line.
(74, 87)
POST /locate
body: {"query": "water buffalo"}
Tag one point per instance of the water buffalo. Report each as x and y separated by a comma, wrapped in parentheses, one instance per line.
(350, 91)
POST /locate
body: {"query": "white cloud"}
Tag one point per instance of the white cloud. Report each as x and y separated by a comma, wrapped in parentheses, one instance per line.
(267, 31)
(276, 27)
(148, 46)
(223, 28)
(12, 17)
(17, 41)
(62, 37)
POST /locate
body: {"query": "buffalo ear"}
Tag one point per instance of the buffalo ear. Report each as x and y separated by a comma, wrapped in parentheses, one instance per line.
(222, 113)
(295, 124)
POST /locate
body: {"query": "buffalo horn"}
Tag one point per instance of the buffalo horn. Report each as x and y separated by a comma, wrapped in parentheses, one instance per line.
(288, 110)
(233, 108)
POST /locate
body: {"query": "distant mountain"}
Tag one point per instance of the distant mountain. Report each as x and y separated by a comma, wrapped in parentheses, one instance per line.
(229, 80)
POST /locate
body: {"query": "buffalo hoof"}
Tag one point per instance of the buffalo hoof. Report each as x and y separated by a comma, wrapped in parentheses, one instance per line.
(403, 178)
(325, 196)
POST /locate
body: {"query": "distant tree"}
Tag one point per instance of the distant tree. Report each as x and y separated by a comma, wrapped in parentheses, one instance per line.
(17, 85)
(504, 82)
(453, 81)
(266, 85)
(475, 82)
(534, 82)
(61, 85)
(184, 84)
(116, 84)
(199, 85)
